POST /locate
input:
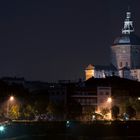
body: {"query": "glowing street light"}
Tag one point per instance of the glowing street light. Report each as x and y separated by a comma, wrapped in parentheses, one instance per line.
(10, 100)
(109, 100)
(2, 128)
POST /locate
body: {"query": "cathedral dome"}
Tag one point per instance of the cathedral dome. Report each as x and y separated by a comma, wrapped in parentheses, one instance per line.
(130, 39)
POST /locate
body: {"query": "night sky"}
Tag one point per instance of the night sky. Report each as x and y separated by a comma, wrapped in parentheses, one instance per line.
(55, 39)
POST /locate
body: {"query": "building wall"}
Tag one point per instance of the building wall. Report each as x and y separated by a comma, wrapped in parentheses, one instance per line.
(103, 94)
(135, 56)
(135, 74)
(104, 73)
(87, 97)
(121, 56)
(126, 56)
(93, 99)
(89, 72)
(93, 72)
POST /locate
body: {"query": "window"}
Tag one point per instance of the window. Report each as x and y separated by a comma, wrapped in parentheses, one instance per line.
(120, 64)
(101, 93)
(94, 100)
(87, 101)
(83, 101)
(135, 71)
(107, 93)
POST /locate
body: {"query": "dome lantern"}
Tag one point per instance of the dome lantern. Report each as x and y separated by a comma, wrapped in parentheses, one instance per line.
(128, 24)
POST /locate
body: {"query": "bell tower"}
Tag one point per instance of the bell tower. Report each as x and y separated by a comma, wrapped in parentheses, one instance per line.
(125, 51)
(121, 48)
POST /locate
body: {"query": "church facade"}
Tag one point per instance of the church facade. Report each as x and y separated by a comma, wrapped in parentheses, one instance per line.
(125, 56)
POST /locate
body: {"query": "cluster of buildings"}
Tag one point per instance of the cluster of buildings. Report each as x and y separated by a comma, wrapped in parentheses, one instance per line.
(105, 86)
(93, 95)
(125, 56)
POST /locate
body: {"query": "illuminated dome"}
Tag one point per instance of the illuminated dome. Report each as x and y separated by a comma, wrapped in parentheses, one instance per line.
(131, 39)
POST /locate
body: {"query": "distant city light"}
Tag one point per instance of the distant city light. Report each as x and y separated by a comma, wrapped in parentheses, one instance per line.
(2, 128)
(93, 117)
(138, 98)
(11, 98)
(9, 101)
(68, 124)
(109, 100)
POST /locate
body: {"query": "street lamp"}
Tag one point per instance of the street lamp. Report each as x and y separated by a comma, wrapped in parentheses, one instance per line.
(10, 100)
(2, 128)
(109, 100)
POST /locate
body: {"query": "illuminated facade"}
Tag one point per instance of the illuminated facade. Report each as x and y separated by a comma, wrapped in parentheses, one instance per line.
(93, 99)
(89, 71)
(103, 94)
(125, 56)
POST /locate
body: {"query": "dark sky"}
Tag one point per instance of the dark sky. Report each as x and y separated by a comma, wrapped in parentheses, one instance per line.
(55, 39)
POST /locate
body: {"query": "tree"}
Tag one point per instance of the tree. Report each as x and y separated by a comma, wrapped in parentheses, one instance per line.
(27, 112)
(131, 112)
(56, 109)
(115, 112)
(132, 106)
(88, 112)
(74, 109)
(40, 107)
(14, 112)
(105, 111)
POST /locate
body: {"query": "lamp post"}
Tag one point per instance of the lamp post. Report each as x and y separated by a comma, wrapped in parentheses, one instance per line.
(10, 100)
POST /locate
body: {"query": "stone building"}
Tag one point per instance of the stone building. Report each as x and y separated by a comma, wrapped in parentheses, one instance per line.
(125, 56)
